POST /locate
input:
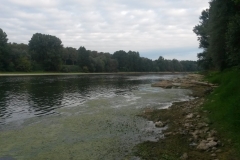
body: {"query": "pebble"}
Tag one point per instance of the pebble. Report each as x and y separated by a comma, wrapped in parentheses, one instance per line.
(189, 116)
(184, 156)
(213, 155)
(159, 124)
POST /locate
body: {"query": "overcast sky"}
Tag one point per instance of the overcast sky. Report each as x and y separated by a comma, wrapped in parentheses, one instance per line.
(152, 27)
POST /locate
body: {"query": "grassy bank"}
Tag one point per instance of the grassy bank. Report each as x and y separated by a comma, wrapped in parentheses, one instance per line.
(224, 106)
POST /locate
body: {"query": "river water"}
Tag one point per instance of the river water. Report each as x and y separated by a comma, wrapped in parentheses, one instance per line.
(79, 116)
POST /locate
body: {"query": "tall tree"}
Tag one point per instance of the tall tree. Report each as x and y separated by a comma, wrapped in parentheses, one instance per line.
(4, 52)
(20, 57)
(219, 15)
(201, 30)
(233, 36)
(122, 58)
(83, 58)
(46, 50)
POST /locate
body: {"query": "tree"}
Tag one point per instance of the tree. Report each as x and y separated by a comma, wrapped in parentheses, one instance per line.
(23, 64)
(133, 60)
(122, 58)
(19, 57)
(201, 30)
(69, 56)
(46, 50)
(4, 52)
(177, 66)
(83, 57)
(3, 38)
(161, 64)
(233, 37)
(219, 15)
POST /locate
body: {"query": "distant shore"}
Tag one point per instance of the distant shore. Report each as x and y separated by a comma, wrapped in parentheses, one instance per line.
(65, 74)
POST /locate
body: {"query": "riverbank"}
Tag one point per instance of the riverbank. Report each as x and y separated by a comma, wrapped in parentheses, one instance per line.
(80, 73)
(191, 133)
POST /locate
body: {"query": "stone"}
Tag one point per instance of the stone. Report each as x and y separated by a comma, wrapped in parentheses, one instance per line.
(187, 125)
(203, 145)
(214, 148)
(159, 124)
(201, 125)
(206, 129)
(212, 144)
(212, 133)
(211, 139)
(213, 155)
(184, 156)
(168, 134)
(189, 116)
(190, 139)
(176, 84)
(195, 134)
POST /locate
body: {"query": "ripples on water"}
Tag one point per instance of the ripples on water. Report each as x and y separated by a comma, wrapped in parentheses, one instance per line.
(25, 97)
(86, 111)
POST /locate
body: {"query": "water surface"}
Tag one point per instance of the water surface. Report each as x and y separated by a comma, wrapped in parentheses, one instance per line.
(79, 117)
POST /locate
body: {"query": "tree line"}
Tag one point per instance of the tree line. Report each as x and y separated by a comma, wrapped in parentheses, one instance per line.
(47, 53)
(219, 35)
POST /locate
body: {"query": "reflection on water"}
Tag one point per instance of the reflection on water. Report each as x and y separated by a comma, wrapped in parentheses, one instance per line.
(79, 117)
(25, 97)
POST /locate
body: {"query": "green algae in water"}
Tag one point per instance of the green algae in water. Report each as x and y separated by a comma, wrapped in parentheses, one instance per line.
(83, 136)
(104, 127)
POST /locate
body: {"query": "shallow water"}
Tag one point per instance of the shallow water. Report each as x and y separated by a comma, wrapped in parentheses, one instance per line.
(79, 117)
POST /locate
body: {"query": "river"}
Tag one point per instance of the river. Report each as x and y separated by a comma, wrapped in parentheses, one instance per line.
(79, 116)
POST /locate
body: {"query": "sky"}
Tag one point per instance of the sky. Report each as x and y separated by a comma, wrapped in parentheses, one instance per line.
(152, 27)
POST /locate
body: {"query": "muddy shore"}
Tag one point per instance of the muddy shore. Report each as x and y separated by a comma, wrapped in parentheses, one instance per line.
(189, 133)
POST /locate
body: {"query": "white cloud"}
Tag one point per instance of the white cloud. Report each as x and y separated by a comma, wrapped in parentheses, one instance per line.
(36, 4)
(107, 26)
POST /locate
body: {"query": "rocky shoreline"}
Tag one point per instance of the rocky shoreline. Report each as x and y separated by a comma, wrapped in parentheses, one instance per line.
(189, 134)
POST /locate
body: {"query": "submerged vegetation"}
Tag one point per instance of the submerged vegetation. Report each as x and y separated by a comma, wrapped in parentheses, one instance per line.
(219, 37)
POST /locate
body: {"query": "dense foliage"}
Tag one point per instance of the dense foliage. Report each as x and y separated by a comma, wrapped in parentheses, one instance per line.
(219, 35)
(46, 53)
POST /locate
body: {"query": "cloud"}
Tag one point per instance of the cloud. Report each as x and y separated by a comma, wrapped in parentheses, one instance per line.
(108, 26)
(182, 53)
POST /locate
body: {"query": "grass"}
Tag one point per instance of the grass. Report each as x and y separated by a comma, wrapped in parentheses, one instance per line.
(224, 105)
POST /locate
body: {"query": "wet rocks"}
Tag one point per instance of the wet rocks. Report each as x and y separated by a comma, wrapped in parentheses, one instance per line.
(205, 145)
(185, 82)
(188, 122)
